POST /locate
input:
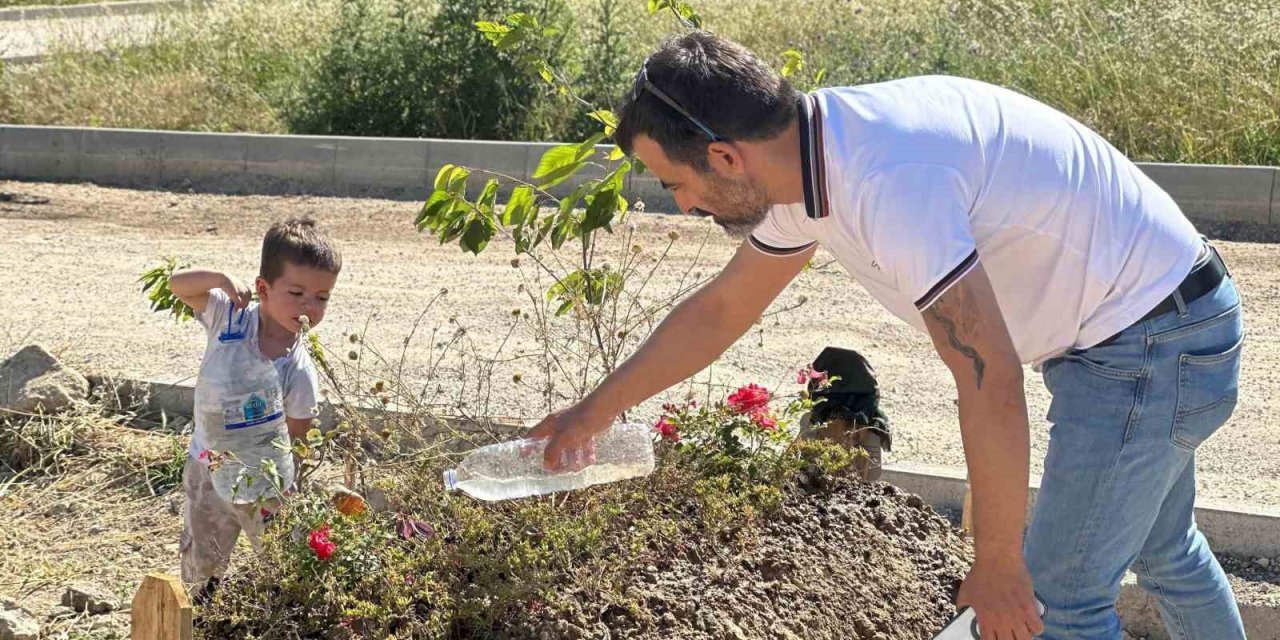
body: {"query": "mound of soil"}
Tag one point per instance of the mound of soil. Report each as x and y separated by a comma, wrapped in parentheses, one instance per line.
(847, 560)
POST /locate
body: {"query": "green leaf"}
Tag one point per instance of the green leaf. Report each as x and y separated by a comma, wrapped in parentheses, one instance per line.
(442, 176)
(557, 165)
(431, 209)
(617, 179)
(561, 162)
(817, 79)
(686, 13)
(562, 231)
(479, 231)
(457, 181)
(523, 20)
(488, 196)
(657, 5)
(616, 154)
(155, 283)
(793, 61)
(606, 118)
(518, 206)
(487, 28)
(569, 202)
(600, 211)
(546, 72)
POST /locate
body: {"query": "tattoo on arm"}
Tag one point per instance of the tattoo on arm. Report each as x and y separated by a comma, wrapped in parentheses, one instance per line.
(952, 314)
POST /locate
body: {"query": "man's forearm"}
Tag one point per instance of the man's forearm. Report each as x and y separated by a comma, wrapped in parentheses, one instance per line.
(690, 338)
(993, 424)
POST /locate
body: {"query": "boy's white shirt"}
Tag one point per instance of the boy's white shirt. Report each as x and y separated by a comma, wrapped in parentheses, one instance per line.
(299, 380)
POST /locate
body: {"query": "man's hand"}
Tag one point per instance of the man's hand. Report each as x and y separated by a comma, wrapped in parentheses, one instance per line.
(696, 332)
(1000, 592)
(571, 432)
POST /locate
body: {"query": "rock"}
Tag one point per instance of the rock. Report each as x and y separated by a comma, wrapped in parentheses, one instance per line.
(32, 380)
(915, 502)
(1263, 562)
(59, 612)
(88, 598)
(61, 509)
(16, 623)
(732, 631)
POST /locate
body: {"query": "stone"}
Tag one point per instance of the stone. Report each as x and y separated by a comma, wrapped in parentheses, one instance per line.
(732, 631)
(84, 598)
(1263, 562)
(33, 380)
(59, 612)
(16, 623)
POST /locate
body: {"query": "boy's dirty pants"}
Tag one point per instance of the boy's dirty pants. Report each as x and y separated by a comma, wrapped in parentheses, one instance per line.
(212, 525)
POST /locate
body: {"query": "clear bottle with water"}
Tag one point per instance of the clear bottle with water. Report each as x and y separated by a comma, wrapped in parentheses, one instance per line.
(514, 469)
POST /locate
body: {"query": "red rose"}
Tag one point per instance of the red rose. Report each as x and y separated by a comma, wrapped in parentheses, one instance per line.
(319, 542)
(764, 421)
(749, 399)
(667, 430)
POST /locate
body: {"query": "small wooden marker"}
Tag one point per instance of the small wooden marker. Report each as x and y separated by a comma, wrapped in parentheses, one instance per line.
(161, 610)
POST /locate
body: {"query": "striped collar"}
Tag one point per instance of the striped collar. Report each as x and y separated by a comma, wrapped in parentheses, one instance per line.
(813, 161)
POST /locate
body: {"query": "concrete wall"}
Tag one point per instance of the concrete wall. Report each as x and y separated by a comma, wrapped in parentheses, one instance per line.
(50, 12)
(403, 168)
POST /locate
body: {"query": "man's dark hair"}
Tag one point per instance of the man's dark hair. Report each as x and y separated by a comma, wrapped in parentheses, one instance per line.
(297, 241)
(717, 81)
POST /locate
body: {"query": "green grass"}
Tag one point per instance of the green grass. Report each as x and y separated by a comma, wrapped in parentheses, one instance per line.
(1164, 80)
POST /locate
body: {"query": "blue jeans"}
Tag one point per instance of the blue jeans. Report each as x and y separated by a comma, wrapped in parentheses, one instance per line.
(1119, 477)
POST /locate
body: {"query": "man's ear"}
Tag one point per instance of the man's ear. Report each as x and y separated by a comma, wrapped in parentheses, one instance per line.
(260, 285)
(725, 158)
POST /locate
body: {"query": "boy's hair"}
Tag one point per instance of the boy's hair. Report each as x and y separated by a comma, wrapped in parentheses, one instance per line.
(297, 241)
(717, 81)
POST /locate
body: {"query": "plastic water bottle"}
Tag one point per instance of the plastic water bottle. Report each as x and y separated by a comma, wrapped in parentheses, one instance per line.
(514, 469)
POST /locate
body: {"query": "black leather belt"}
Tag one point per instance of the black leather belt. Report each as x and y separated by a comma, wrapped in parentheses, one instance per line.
(1205, 277)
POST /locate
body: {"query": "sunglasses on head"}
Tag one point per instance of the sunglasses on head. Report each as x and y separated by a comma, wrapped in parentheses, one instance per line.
(644, 84)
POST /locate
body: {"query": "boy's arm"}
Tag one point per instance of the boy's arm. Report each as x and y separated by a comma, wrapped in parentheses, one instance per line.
(298, 427)
(192, 286)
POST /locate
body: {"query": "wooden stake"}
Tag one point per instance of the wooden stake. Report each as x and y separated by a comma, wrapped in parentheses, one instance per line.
(966, 511)
(161, 610)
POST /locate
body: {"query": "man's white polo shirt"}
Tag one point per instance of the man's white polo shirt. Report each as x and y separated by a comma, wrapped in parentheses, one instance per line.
(911, 183)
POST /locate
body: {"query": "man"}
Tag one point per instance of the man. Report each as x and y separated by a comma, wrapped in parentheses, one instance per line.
(1011, 234)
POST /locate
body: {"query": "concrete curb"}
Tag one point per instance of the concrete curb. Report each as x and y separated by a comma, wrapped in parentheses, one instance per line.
(1240, 531)
(53, 12)
(402, 168)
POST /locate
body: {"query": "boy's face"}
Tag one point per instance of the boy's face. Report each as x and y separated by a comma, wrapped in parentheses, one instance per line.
(297, 292)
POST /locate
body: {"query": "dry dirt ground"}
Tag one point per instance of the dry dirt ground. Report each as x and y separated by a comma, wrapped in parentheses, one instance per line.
(68, 272)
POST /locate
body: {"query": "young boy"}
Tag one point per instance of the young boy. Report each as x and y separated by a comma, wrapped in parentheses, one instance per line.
(299, 268)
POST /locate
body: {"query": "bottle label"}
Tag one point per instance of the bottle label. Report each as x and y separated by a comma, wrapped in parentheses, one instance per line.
(252, 409)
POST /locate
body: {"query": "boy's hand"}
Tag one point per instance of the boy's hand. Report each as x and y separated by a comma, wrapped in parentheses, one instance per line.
(192, 286)
(239, 292)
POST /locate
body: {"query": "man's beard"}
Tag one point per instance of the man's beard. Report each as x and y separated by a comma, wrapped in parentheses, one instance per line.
(740, 206)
